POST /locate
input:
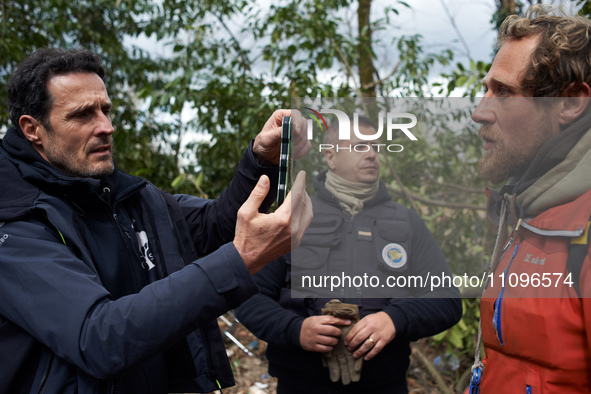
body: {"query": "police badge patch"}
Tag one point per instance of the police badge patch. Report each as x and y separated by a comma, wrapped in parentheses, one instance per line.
(394, 255)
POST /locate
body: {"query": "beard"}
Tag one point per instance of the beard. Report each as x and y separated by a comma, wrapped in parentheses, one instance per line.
(496, 167)
(68, 163)
(507, 160)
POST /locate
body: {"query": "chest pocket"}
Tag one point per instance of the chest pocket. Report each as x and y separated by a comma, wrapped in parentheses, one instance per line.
(320, 237)
(392, 246)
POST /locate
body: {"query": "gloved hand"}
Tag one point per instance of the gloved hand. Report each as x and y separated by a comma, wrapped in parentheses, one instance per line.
(340, 361)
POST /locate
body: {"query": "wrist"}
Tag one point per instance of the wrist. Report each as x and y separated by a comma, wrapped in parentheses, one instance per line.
(260, 159)
(260, 154)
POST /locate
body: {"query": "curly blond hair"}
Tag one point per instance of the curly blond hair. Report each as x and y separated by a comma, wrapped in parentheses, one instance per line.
(563, 55)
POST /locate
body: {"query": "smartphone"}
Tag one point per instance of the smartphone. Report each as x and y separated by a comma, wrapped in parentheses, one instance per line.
(285, 161)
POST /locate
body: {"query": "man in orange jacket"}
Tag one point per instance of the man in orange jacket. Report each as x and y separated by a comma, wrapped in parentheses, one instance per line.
(536, 310)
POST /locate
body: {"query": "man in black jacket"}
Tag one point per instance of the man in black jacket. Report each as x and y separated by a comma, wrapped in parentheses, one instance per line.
(108, 284)
(357, 230)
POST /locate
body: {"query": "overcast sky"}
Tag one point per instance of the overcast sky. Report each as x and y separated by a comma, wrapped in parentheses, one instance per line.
(472, 19)
(472, 36)
(425, 17)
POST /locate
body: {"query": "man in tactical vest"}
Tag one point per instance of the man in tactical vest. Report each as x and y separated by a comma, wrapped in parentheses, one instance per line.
(354, 339)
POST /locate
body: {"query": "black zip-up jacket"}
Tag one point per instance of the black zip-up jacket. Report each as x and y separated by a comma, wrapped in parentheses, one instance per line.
(335, 242)
(100, 286)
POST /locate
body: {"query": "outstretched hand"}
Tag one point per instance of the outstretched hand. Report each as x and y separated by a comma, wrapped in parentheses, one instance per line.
(267, 143)
(261, 238)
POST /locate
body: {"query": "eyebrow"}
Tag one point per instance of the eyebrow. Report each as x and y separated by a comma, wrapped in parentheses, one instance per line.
(85, 107)
(499, 81)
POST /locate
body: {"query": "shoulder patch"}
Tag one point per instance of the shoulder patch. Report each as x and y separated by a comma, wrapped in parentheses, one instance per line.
(394, 255)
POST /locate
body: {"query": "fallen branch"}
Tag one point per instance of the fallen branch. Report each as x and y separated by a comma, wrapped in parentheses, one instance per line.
(416, 352)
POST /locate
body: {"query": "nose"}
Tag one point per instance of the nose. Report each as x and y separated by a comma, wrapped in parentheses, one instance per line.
(484, 113)
(372, 154)
(104, 125)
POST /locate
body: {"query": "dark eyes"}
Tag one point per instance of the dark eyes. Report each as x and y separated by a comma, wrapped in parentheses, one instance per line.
(89, 113)
(81, 115)
(365, 147)
(503, 91)
(500, 90)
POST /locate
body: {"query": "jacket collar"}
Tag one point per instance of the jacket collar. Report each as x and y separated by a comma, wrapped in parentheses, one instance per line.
(557, 174)
(567, 179)
(17, 199)
(38, 172)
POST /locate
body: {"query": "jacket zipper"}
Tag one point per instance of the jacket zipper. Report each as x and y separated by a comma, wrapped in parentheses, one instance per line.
(45, 374)
(499, 301)
(173, 232)
(351, 255)
(212, 374)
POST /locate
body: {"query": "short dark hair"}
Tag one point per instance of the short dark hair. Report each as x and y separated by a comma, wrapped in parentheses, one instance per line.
(27, 87)
(333, 129)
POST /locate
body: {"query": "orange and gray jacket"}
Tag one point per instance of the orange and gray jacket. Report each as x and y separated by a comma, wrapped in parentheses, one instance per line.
(537, 327)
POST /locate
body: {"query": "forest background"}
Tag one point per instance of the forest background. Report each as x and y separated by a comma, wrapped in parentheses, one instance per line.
(193, 81)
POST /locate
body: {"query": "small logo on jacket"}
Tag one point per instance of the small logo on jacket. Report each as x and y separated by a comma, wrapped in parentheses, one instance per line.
(394, 255)
(529, 258)
(3, 238)
(147, 256)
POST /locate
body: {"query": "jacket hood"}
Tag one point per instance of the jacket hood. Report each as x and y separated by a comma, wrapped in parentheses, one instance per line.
(30, 172)
(321, 191)
(560, 171)
(557, 174)
(16, 195)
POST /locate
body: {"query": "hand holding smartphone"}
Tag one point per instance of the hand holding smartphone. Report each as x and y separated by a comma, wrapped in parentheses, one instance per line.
(285, 161)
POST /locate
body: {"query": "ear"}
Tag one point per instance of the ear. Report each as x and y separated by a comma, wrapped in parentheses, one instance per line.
(330, 157)
(575, 103)
(31, 129)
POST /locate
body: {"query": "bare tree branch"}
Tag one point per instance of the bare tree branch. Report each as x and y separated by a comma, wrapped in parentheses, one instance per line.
(462, 188)
(347, 66)
(453, 24)
(382, 80)
(243, 58)
(403, 190)
(406, 194)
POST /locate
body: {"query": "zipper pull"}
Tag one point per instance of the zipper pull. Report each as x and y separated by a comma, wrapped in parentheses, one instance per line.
(475, 381)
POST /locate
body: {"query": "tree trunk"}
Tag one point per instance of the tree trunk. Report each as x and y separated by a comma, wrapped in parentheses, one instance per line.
(508, 7)
(366, 68)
